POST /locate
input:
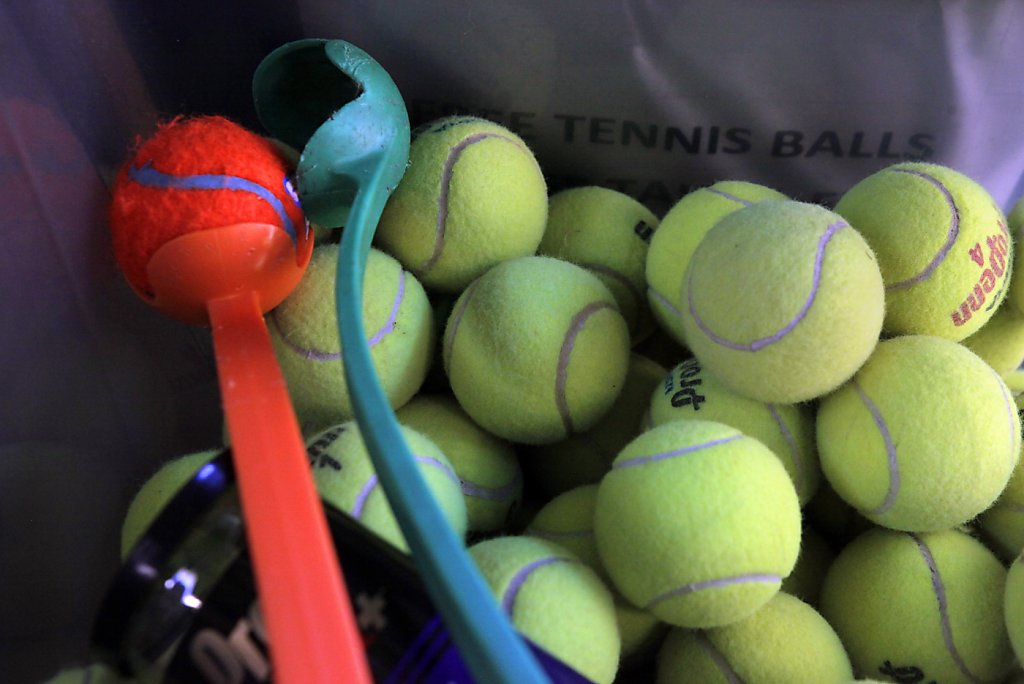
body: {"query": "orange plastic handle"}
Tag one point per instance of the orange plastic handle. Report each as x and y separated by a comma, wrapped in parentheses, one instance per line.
(313, 635)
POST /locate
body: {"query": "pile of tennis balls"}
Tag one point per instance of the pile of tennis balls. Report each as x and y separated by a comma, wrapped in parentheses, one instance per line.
(755, 440)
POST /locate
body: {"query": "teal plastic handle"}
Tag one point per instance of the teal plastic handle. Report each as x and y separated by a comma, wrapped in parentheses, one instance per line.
(353, 156)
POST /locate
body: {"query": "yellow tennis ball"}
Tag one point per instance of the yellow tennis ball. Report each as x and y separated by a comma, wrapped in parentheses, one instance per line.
(536, 350)
(641, 633)
(472, 196)
(1000, 342)
(1013, 605)
(785, 642)
(607, 232)
(920, 607)
(689, 392)
(679, 233)
(584, 458)
(697, 523)
(398, 323)
(555, 601)
(157, 492)
(345, 477)
(488, 467)
(913, 455)
(568, 520)
(783, 301)
(1002, 524)
(942, 245)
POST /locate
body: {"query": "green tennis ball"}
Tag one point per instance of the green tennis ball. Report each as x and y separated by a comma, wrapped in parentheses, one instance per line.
(488, 468)
(345, 477)
(472, 196)
(807, 577)
(785, 642)
(942, 245)
(607, 232)
(1013, 604)
(555, 601)
(920, 607)
(689, 392)
(697, 523)
(1000, 342)
(677, 237)
(914, 456)
(536, 350)
(584, 458)
(156, 493)
(1002, 525)
(96, 673)
(641, 633)
(568, 520)
(783, 301)
(398, 324)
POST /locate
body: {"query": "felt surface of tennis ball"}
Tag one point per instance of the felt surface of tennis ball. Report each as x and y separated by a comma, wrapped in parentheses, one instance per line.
(472, 196)
(1002, 525)
(942, 245)
(398, 323)
(690, 392)
(912, 458)
(156, 493)
(679, 233)
(536, 350)
(488, 467)
(345, 477)
(1014, 607)
(584, 458)
(783, 301)
(568, 520)
(608, 233)
(785, 642)
(919, 605)
(555, 601)
(697, 523)
(1000, 342)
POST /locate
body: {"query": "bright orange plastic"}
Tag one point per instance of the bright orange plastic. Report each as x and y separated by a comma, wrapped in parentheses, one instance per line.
(230, 277)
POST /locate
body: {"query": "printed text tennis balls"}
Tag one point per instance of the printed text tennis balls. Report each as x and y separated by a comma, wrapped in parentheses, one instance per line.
(926, 605)
(345, 477)
(156, 493)
(681, 229)
(785, 642)
(697, 523)
(783, 301)
(399, 328)
(1013, 606)
(607, 232)
(472, 196)
(924, 437)
(1002, 525)
(553, 600)
(689, 392)
(536, 350)
(585, 457)
(488, 467)
(942, 245)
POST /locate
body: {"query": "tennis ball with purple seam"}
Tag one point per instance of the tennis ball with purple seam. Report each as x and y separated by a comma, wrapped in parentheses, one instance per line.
(920, 607)
(398, 324)
(584, 458)
(345, 477)
(472, 196)
(568, 520)
(912, 458)
(942, 245)
(785, 642)
(697, 523)
(156, 492)
(555, 601)
(690, 392)
(783, 301)
(608, 233)
(536, 350)
(488, 467)
(679, 233)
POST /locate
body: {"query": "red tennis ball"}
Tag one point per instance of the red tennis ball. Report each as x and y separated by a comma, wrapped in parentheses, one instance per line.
(196, 174)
